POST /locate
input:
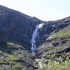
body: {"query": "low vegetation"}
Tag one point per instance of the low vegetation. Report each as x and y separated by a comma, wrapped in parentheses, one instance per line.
(54, 65)
(62, 34)
(57, 56)
(65, 33)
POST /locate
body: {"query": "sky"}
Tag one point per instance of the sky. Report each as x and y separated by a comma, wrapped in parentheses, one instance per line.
(43, 9)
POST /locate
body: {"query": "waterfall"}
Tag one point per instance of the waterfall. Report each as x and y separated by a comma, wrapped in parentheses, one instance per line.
(34, 35)
(33, 41)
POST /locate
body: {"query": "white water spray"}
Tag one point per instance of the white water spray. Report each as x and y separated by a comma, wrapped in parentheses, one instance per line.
(39, 63)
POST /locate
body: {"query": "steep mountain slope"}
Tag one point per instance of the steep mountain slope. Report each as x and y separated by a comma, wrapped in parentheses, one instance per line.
(16, 29)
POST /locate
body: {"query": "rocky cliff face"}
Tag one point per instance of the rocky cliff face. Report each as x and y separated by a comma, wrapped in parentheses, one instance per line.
(17, 27)
(16, 31)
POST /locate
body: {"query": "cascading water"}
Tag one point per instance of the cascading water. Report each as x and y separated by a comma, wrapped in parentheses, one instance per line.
(33, 41)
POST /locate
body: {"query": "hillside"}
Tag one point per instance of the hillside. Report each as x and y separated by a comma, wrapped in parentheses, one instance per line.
(16, 30)
(56, 50)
